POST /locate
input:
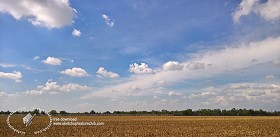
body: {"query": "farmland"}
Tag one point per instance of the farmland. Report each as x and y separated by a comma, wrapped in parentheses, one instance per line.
(153, 126)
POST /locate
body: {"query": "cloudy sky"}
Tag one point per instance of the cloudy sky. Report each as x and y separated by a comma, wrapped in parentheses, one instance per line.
(139, 55)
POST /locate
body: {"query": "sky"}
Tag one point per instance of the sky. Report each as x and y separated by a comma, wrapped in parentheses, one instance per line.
(128, 55)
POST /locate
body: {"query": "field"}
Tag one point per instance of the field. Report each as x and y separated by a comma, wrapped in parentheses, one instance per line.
(151, 126)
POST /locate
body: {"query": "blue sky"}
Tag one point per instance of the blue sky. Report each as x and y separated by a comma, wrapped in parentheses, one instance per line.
(139, 55)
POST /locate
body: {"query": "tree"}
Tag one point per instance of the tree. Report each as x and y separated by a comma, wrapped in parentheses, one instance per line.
(187, 112)
(62, 112)
(92, 112)
(53, 112)
(35, 111)
(43, 112)
(107, 112)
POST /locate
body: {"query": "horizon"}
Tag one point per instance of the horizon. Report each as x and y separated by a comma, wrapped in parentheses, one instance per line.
(79, 56)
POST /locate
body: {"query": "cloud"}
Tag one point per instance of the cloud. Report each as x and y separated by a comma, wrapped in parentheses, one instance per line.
(269, 10)
(3, 94)
(172, 93)
(225, 60)
(176, 66)
(36, 57)
(45, 13)
(108, 20)
(76, 33)
(194, 65)
(16, 75)
(246, 93)
(275, 86)
(276, 61)
(240, 86)
(257, 95)
(75, 72)
(269, 77)
(202, 94)
(54, 88)
(4, 65)
(209, 91)
(107, 74)
(140, 69)
(160, 83)
(172, 66)
(52, 61)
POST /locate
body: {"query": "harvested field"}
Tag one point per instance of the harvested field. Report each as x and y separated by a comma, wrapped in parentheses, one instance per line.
(152, 126)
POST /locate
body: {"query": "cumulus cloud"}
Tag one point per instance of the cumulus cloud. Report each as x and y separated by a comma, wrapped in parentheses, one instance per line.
(76, 33)
(52, 61)
(75, 72)
(107, 74)
(16, 75)
(275, 86)
(172, 93)
(54, 88)
(222, 61)
(108, 20)
(46, 13)
(176, 66)
(269, 10)
(172, 66)
(143, 68)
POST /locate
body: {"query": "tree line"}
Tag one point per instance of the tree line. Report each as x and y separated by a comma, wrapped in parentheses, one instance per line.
(187, 112)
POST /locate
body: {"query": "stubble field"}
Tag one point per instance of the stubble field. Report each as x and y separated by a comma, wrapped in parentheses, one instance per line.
(149, 126)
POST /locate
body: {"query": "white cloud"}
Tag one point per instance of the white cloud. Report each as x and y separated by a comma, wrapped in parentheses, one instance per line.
(247, 94)
(140, 69)
(54, 88)
(76, 33)
(269, 10)
(16, 75)
(4, 65)
(245, 8)
(46, 13)
(172, 66)
(52, 61)
(36, 57)
(107, 74)
(275, 86)
(108, 20)
(172, 93)
(239, 86)
(195, 65)
(276, 61)
(222, 61)
(207, 93)
(269, 77)
(204, 93)
(160, 83)
(176, 66)
(221, 100)
(76, 72)
(3, 94)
